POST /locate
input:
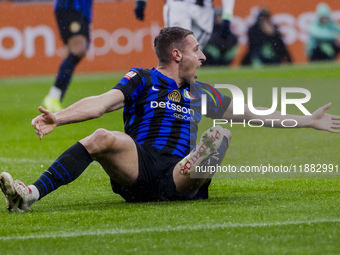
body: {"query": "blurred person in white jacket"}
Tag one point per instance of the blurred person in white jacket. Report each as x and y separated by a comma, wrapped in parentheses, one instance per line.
(194, 15)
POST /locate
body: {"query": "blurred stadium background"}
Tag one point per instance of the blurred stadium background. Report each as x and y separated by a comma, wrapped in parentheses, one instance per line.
(30, 43)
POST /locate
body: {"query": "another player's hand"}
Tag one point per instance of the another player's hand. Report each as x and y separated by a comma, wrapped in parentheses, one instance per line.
(139, 9)
(225, 29)
(325, 121)
(44, 123)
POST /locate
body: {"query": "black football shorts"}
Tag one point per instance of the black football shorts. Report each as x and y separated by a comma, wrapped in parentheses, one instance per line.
(155, 179)
(72, 23)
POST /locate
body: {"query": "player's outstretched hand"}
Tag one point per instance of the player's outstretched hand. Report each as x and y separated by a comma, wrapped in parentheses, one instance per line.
(325, 121)
(44, 123)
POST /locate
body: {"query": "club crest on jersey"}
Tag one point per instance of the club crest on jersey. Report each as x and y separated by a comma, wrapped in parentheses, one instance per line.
(130, 74)
(188, 95)
(175, 96)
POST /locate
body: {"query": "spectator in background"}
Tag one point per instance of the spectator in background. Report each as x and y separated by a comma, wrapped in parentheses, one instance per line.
(220, 50)
(324, 36)
(265, 43)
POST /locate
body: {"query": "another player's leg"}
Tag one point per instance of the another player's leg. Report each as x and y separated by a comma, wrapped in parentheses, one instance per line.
(202, 24)
(76, 38)
(177, 14)
(77, 46)
(210, 150)
(53, 100)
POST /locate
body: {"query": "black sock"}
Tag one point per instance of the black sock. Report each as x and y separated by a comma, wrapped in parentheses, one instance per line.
(68, 167)
(213, 161)
(65, 72)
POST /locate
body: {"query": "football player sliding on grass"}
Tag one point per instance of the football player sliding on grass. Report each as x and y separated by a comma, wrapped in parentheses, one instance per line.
(155, 156)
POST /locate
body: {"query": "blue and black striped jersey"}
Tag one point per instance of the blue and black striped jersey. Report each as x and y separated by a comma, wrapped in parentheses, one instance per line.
(160, 114)
(85, 6)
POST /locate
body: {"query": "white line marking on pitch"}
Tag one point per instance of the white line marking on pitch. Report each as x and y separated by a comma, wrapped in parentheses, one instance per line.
(167, 229)
(28, 160)
(24, 160)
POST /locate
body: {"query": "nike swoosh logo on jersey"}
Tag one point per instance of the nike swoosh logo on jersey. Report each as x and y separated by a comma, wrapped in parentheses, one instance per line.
(154, 88)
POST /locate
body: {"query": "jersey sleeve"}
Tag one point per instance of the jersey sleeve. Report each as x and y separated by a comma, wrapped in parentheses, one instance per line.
(228, 9)
(217, 103)
(132, 84)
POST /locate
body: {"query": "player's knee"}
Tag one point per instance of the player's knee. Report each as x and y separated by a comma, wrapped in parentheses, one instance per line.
(100, 141)
(78, 45)
(104, 138)
(79, 52)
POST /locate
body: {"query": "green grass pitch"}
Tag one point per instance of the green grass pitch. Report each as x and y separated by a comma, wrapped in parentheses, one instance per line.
(242, 215)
